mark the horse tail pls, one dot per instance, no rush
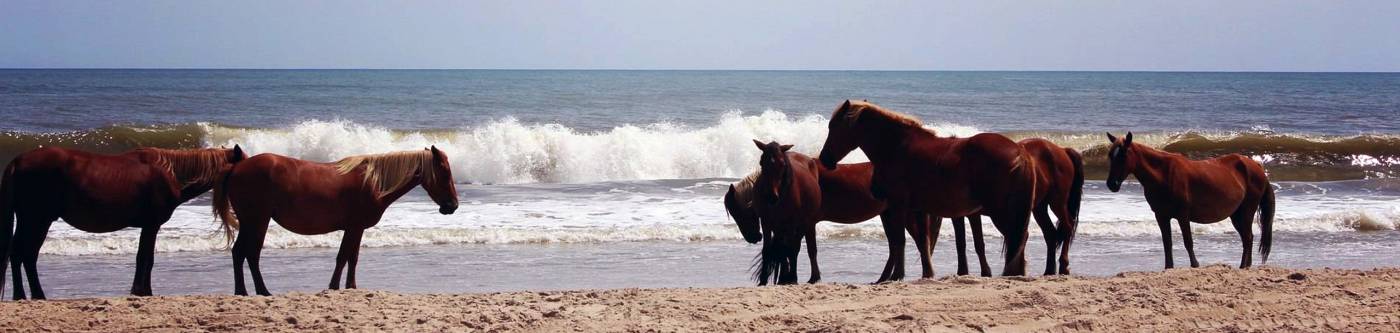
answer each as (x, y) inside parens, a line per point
(7, 220)
(222, 210)
(1266, 222)
(1076, 191)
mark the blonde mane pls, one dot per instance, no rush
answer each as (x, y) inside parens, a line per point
(743, 190)
(191, 166)
(389, 171)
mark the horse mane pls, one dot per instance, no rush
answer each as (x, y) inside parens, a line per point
(743, 190)
(389, 171)
(853, 110)
(191, 166)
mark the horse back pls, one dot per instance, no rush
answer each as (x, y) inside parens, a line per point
(93, 192)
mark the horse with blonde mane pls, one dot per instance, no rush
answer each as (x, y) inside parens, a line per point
(1208, 191)
(99, 193)
(311, 198)
(916, 170)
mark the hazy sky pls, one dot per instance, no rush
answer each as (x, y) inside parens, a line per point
(1247, 35)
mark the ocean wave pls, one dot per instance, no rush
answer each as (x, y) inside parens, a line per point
(690, 217)
(507, 151)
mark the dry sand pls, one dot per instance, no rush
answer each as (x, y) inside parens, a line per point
(1214, 299)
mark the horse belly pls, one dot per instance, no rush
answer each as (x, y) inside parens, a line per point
(311, 216)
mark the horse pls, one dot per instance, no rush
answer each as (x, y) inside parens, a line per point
(788, 194)
(1059, 190)
(311, 198)
(99, 193)
(846, 199)
(915, 170)
(1207, 191)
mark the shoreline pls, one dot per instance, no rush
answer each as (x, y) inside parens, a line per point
(1216, 298)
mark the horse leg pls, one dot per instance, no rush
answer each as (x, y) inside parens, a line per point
(812, 253)
(1164, 223)
(931, 235)
(37, 234)
(1052, 238)
(1066, 226)
(978, 245)
(354, 257)
(256, 235)
(919, 230)
(894, 221)
(248, 247)
(1185, 225)
(960, 239)
(1013, 220)
(1243, 219)
(17, 257)
(145, 257)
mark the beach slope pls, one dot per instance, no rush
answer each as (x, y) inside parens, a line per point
(1215, 298)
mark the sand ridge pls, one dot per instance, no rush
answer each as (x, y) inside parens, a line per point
(1214, 298)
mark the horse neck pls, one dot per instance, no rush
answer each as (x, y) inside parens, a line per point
(195, 172)
(1151, 166)
(882, 143)
(391, 195)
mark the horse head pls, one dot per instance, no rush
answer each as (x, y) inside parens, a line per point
(842, 133)
(1121, 160)
(439, 184)
(775, 171)
(743, 214)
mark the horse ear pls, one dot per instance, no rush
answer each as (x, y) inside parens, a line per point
(437, 154)
(1111, 138)
(238, 153)
(1128, 139)
(759, 144)
(786, 147)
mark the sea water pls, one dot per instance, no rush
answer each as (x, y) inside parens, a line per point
(594, 179)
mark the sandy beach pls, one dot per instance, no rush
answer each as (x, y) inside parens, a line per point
(1214, 298)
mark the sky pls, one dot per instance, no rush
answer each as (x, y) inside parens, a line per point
(1179, 35)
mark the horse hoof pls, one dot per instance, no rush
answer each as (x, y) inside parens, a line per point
(814, 281)
(141, 293)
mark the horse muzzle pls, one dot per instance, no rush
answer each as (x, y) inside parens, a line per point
(447, 210)
(1114, 186)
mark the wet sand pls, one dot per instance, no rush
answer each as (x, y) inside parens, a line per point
(1214, 298)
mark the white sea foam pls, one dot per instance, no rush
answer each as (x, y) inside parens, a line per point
(510, 152)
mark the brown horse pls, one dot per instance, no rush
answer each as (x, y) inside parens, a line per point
(1059, 190)
(788, 199)
(99, 193)
(915, 170)
(1230, 186)
(312, 198)
(846, 199)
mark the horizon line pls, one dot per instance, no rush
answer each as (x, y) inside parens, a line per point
(711, 69)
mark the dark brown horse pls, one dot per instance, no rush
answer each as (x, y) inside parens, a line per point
(312, 198)
(788, 200)
(916, 170)
(1059, 190)
(99, 193)
(1209, 191)
(846, 199)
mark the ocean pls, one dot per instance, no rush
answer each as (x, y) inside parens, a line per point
(603, 179)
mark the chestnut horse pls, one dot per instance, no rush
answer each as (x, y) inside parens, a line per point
(915, 170)
(1230, 186)
(846, 199)
(312, 198)
(99, 193)
(1059, 190)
